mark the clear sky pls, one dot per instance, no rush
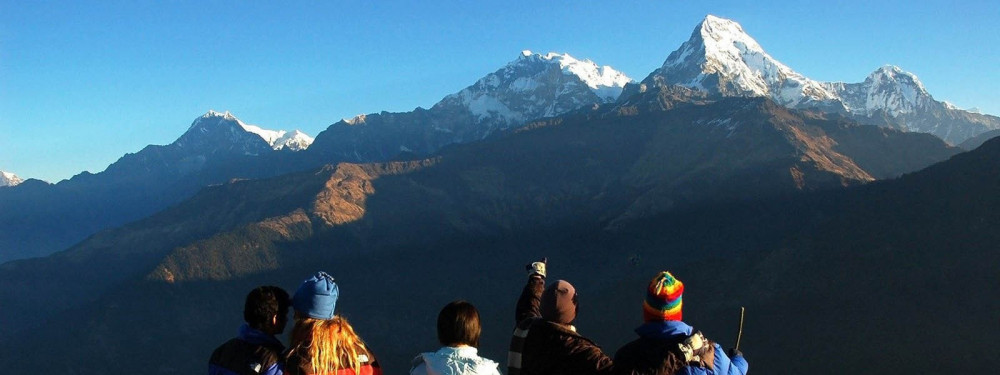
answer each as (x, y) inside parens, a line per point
(84, 82)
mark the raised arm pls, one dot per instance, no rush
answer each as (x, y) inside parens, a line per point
(531, 295)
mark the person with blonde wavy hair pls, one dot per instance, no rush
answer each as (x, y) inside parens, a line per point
(323, 343)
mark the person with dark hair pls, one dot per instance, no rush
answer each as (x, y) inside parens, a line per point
(458, 330)
(668, 346)
(323, 343)
(545, 341)
(255, 350)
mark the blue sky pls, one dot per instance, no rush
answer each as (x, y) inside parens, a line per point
(82, 83)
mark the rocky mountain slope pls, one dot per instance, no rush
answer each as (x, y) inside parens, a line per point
(974, 142)
(566, 187)
(219, 147)
(42, 218)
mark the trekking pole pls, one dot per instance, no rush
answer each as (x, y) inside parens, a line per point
(739, 335)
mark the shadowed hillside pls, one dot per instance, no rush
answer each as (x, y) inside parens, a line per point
(746, 213)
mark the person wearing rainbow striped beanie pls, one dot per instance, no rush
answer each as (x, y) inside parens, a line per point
(666, 345)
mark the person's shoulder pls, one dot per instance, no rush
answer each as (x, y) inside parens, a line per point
(484, 366)
(485, 363)
(233, 344)
(418, 366)
(630, 347)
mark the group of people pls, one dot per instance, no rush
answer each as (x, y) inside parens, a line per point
(544, 341)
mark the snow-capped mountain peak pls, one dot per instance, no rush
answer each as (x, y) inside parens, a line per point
(895, 90)
(534, 86)
(721, 58)
(894, 74)
(280, 139)
(725, 39)
(213, 115)
(277, 139)
(9, 179)
(293, 140)
(605, 81)
(888, 89)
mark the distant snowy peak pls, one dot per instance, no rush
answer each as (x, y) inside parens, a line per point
(534, 86)
(277, 139)
(721, 58)
(604, 81)
(294, 140)
(9, 179)
(280, 139)
(213, 117)
(218, 132)
(889, 89)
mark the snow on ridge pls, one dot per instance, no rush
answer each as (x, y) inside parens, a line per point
(721, 47)
(280, 139)
(356, 120)
(277, 139)
(9, 179)
(270, 136)
(521, 89)
(604, 81)
(894, 73)
(485, 106)
(293, 140)
(889, 88)
(593, 75)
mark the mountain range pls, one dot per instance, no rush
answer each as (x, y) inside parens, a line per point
(40, 218)
(762, 198)
(532, 86)
(720, 58)
(757, 186)
(218, 147)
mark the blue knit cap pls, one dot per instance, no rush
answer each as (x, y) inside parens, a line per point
(317, 296)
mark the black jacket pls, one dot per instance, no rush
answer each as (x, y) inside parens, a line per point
(540, 347)
(252, 352)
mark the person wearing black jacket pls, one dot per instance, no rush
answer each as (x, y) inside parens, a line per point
(255, 350)
(545, 341)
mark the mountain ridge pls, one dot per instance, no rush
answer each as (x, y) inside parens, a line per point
(503, 200)
(531, 86)
(720, 58)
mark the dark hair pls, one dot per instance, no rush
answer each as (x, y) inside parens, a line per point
(458, 324)
(263, 303)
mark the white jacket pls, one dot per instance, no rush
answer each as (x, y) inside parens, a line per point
(453, 361)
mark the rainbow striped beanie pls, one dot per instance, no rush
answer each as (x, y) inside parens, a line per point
(663, 298)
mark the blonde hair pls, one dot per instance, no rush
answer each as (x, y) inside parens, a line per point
(328, 345)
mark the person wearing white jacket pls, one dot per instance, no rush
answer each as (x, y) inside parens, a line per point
(458, 330)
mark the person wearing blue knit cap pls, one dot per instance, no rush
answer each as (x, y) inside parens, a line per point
(323, 343)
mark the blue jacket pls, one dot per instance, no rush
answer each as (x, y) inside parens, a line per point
(656, 352)
(251, 352)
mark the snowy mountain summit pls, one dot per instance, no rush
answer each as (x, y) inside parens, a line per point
(888, 89)
(604, 81)
(216, 132)
(530, 87)
(277, 139)
(535, 86)
(9, 179)
(721, 59)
